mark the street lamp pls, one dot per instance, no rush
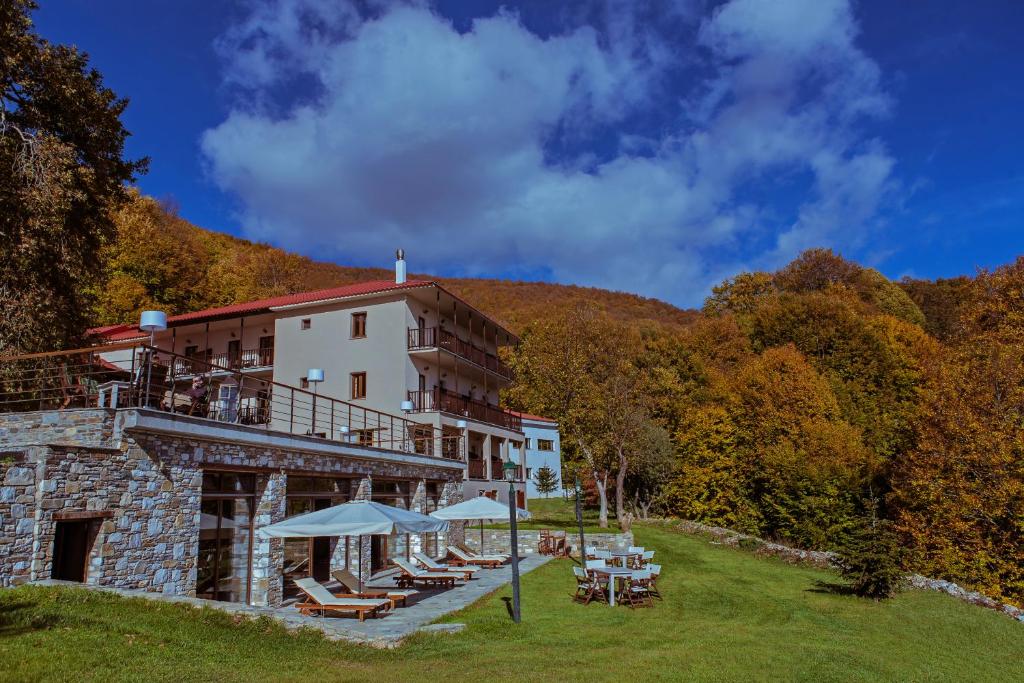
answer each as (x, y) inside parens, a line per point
(579, 522)
(510, 468)
(314, 376)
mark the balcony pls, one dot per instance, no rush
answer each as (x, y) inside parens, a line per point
(245, 359)
(422, 338)
(447, 402)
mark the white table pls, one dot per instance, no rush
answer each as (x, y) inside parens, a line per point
(611, 573)
(109, 393)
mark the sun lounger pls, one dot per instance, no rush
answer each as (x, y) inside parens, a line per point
(320, 600)
(432, 565)
(351, 584)
(460, 557)
(411, 575)
(490, 556)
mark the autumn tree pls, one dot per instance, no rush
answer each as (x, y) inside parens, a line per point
(62, 151)
(577, 368)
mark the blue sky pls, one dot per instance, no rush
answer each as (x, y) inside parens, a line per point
(653, 147)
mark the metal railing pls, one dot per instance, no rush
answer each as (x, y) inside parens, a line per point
(420, 338)
(134, 375)
(447, 402)
(244, 359)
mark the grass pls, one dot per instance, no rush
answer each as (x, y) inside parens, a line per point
(559, 513)
(727, 616)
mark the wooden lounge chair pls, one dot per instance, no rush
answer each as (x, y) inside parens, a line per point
(351, 584)
(459, 557)
(432, 565)
(411, 575)
(319, 600)
(472, 553)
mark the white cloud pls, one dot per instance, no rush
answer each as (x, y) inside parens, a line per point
(454, 144)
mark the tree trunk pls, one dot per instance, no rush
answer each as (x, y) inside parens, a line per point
(620, 485)
(601, 481)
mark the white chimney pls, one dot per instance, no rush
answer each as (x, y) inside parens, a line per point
(400, 266)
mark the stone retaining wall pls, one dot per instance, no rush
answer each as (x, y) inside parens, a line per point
(823, 560)
(500, 540)
(141, 493)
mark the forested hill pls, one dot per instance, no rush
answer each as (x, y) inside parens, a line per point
(161, 260)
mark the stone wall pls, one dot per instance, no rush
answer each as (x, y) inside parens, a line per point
(500, 540)
(820, 559)
(143, 490)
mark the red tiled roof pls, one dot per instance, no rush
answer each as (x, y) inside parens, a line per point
(122, 332)
(535, 418)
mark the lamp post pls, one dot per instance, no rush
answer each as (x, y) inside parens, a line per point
(579, 522)
(314, 376)
(510, 474)
(152, 322)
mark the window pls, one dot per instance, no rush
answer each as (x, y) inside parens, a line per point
(529, 442)
(529, 471)
(358, 325)
(304, 383)
(305, 324)
(545, 445)
(358, 385)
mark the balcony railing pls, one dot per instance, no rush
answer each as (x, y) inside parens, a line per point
(160, 380)
(447, 402)
(431, 337)
(244, 360)
(477, 470)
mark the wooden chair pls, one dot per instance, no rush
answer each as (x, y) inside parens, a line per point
(544, 543)
(587, 587)
(652, 587)
(635, 590)
(74, 391)
(320, 600)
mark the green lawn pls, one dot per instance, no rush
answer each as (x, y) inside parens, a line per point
(727, 616)
(558, 513)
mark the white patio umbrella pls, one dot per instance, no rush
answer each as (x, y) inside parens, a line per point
(480, 508)
(356, 518)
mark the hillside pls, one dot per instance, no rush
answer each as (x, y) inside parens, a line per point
(161, 260)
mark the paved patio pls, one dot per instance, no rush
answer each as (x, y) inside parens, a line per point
(387, 631)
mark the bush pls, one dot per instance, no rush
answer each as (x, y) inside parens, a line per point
(871, 560)
(751, 544)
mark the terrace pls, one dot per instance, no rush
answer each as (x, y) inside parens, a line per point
(140, 376)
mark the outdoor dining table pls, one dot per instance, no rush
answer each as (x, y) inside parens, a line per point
(611, 573)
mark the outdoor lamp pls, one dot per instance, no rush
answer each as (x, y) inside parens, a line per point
(345, 429)
(510, 468)
(461, 424)
(314, 376)
(153, 322)
(407, 406)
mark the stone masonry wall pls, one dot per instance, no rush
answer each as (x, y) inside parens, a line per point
(144, 490)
